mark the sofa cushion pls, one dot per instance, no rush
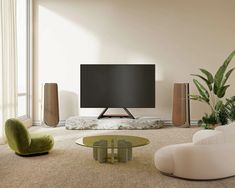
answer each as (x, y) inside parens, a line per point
(221, 134)
(164, 159)
(23, 143)
(40, 143)
(228, 132)
(17, 135)
(208, 137)
(226, 128)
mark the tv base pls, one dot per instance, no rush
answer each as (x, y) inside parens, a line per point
(116, 115)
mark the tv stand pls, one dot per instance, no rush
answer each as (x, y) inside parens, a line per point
(119, 116)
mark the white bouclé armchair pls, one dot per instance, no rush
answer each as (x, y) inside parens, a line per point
(211, 155)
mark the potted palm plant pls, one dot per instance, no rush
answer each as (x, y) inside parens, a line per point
(208, 121)
(211, 90)
(230, 108)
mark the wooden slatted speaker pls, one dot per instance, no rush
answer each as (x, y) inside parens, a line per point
(51, 104)
(181, 105)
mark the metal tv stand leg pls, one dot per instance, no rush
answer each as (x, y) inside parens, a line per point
(119, 116)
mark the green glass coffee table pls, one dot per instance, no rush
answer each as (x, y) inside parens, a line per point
(111, 148)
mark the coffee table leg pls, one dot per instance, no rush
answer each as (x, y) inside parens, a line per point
(123, 151)
(95, 153)
(102, 155)
(95, 150)
(129, 153)
(129, 146)
(112, 151)
(112, 155)
(100, 151)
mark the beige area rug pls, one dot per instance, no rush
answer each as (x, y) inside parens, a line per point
(71, 165)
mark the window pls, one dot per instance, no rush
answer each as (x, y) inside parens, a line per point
(23, 58)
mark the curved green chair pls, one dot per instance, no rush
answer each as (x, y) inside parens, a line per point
(26, 144)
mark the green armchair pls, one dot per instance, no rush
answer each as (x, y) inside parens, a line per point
(23, 143)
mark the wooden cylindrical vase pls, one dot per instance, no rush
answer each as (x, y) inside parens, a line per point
(51, 104)
(181, 105)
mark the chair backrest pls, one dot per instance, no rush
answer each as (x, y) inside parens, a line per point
(17, 135)
(228, 132)
(226, 128)
(221, 135)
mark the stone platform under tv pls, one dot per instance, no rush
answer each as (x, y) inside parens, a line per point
(92, 123)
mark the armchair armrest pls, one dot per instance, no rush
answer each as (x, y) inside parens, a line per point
(208, 161)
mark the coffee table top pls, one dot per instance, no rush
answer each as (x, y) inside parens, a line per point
(112, 140)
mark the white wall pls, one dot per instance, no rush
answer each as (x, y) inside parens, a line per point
(179, 36)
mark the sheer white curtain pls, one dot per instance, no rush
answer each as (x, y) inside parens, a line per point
(8, 87)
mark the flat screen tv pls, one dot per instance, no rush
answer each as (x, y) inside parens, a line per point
(117, 86)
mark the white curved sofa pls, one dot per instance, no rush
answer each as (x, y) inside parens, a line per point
(211, 155)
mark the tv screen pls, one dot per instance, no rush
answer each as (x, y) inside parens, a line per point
(117, 86)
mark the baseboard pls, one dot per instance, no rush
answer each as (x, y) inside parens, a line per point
(39, 123)
(169, 122)
(166, 122)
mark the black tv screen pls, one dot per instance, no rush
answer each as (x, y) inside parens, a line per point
(117, 86)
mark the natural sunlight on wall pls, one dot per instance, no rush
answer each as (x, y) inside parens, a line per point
(72, 44)
(177, 36)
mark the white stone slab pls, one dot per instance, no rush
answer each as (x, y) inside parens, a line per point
(86, 123)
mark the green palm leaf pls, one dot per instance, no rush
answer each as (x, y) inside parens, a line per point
(202, 90)
(220, 73)
(230, 108)
(230, 57)
(219, 105)
(205, 80)
(222, 91)
(227, 76)
(198, 98)
(218, 78)
(209, 75)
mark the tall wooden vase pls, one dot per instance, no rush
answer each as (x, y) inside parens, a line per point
(51, 105)
(181, 105)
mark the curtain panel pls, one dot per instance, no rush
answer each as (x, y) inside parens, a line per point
(8, 66)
